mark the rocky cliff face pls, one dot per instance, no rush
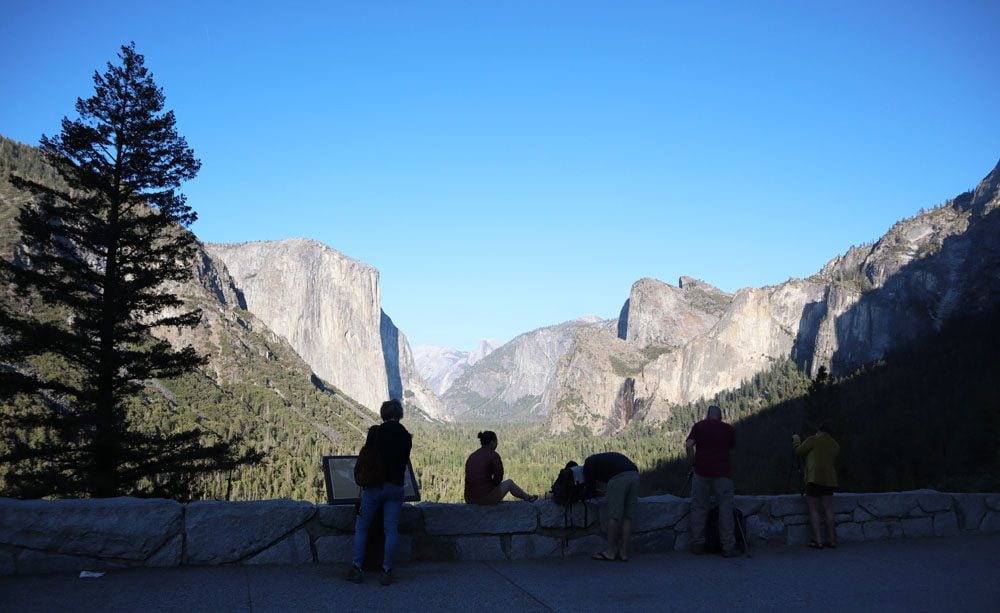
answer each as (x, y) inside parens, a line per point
(327, 306)
(509, 382)
(925, 270)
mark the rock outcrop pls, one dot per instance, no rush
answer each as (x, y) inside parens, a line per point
(327, 306)
(693, 341)
(510, 382)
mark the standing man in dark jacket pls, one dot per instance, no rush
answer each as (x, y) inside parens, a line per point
(708, 449)
(393, 442)
(619, 477)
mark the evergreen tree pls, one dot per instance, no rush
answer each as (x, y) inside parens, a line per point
(96, 262)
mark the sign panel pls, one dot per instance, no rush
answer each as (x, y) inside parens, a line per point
(340, 485)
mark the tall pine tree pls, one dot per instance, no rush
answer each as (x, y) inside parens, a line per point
(91, 275)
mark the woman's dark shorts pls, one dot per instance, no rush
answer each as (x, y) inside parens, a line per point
(815, 490)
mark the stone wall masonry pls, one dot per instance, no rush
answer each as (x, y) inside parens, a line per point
(45, 536)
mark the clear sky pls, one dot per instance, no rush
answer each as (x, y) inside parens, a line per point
(512, 165)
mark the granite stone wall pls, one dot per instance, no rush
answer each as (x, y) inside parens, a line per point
(46, 536)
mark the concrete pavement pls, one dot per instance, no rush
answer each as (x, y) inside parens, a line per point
(935, 574)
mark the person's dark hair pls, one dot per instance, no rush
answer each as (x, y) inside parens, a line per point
(571, 464)
(487, 437)
(826, 426)
(391, 409)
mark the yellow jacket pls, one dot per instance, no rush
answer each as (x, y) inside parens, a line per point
(820, 452)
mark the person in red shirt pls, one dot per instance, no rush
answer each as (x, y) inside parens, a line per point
(708, 449)
(484, 482)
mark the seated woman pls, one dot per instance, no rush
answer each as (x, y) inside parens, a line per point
(484, 482)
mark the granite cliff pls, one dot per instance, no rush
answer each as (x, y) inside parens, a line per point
(510, 382)
(327, 306)
(673, 349)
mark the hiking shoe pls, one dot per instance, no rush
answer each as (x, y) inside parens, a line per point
(698, 549)
(355, 575)
(730, 553)
(386, 578)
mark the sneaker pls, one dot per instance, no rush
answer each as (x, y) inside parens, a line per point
(697, 549)
(730, 553)
(355, 575)
(386, 578)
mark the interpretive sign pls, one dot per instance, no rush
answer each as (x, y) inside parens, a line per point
(340, 485)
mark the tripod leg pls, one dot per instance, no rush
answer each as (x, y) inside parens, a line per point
(746, 541)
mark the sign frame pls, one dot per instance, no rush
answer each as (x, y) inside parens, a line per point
(338, 473)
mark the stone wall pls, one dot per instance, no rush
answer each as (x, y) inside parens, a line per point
(42, 536)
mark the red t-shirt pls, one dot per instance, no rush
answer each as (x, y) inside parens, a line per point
(712, 439)
(483, 472)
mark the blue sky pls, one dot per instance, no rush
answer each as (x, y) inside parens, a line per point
(512, 165)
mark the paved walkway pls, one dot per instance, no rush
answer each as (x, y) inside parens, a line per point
(961, 574)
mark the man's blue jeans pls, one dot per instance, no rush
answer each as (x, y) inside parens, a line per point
(389, 498)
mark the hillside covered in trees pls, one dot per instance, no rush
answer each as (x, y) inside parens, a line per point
(926, 416)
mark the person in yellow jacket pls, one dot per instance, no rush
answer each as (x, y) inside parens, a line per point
(820, 454)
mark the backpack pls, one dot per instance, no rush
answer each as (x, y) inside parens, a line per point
(569, 486)
(369, 470)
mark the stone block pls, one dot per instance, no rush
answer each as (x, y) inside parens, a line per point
(435, 548)
(971, 509)
(30, 562)
(860, 515)
(586, 545)
(334, 549)
(896, 530)
(795, 520)
(990, 523)
(876, 530)
(850, 532)
(411, 519)
(7, 567)
(552, 515)
(750, 505)
(683, 525)
(798, 535)
(654, 542)
(221, 532)
(479, 548)
(404, 549)
(764, 529)
(504, 518)
(659, 512)
(533, 546)
(683, 541)
(917, 527)
(126, 528)
(889, 505)
(169, 556)
(292, 550)
(946, 524)
(934, 502)
(992, 501)
(845, 503)
(788, 505)
(340, 517)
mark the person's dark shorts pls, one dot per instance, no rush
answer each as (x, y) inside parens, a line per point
(815, 490)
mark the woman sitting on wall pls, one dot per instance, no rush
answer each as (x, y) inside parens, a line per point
(484, 482)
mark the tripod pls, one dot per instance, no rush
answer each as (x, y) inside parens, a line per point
(795, 467)
(687, 482)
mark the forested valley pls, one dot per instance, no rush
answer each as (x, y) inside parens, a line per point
(928, 415)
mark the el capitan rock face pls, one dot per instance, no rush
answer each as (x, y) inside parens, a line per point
(327, 306)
